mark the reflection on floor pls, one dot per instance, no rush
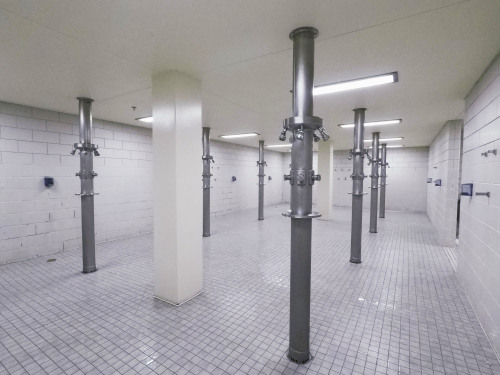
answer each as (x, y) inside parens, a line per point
(402, 311)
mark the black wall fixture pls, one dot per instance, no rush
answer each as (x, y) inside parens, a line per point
(467, 190)
(48, 181)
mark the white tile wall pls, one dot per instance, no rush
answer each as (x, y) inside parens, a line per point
(36, 220)
(479, 249)
(241, 161)
(444, 164)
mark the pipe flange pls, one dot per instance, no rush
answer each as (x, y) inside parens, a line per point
(308, 122)
(305, 29)
(86, 194)
(312, 215)
(357, 151)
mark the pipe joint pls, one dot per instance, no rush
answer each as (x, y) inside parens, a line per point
(358, 176)
(208, 158)
(86, 175)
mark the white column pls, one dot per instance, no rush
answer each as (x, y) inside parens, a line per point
(325, 169)
(178, 262)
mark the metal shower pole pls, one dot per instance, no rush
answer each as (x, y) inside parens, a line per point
(87, 150)
(383, 175)
(206, 180)
(301, 178)
(261, 163)
(374, 182)
(357, 176)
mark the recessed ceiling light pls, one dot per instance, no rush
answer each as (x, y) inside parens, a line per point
(145, 119)
(276, 146)
(239, 135)
(386, 139)
(374, 123)
(356, 83)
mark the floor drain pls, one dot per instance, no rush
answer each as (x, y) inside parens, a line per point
(51, 260)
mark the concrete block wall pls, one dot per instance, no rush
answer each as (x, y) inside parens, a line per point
(228, 196)
(36, 220)
(406, 179)
(444, 164)
(479, 249)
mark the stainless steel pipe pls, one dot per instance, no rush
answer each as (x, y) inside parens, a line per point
(301, 178)
(383, 176)
(374, 182)
(261, 163)
(357, 176)
(206, 180)
(87, 174)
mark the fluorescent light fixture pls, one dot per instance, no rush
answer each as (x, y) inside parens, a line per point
(386, 139)
(145, 119)
(356, 83)
(390, 146)
(374, 123)
(277, 146)
(243, 135)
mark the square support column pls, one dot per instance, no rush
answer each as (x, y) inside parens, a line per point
(325, 188)
(178, 261)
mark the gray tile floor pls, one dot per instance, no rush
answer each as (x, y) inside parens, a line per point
(402, 311)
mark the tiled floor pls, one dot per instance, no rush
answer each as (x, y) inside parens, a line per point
(401, 311)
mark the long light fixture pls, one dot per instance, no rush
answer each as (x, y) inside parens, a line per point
(243, 135)
(145, 119)
(390, 146)
(277, 146)
(356, 83)
(374, 123)
(386, 139)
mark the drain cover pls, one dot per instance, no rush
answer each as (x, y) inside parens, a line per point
(51, 260)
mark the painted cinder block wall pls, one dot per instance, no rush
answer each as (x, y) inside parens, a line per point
(228, 196)
(406, 188)
(36, 220)
(479, 244)
(444, 165)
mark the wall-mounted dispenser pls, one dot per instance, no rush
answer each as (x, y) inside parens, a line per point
(466, 190)
(437, 182)
(429, 180)
(48, 181)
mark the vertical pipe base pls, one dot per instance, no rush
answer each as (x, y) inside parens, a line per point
(206, 211)
(382, 203)
(261, 202)
(89, 269)
(298, 357)
(373, 210)
(356, 228)
(88, 234)
(300, 290)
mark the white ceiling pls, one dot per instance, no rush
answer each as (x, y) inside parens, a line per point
(52, 51)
